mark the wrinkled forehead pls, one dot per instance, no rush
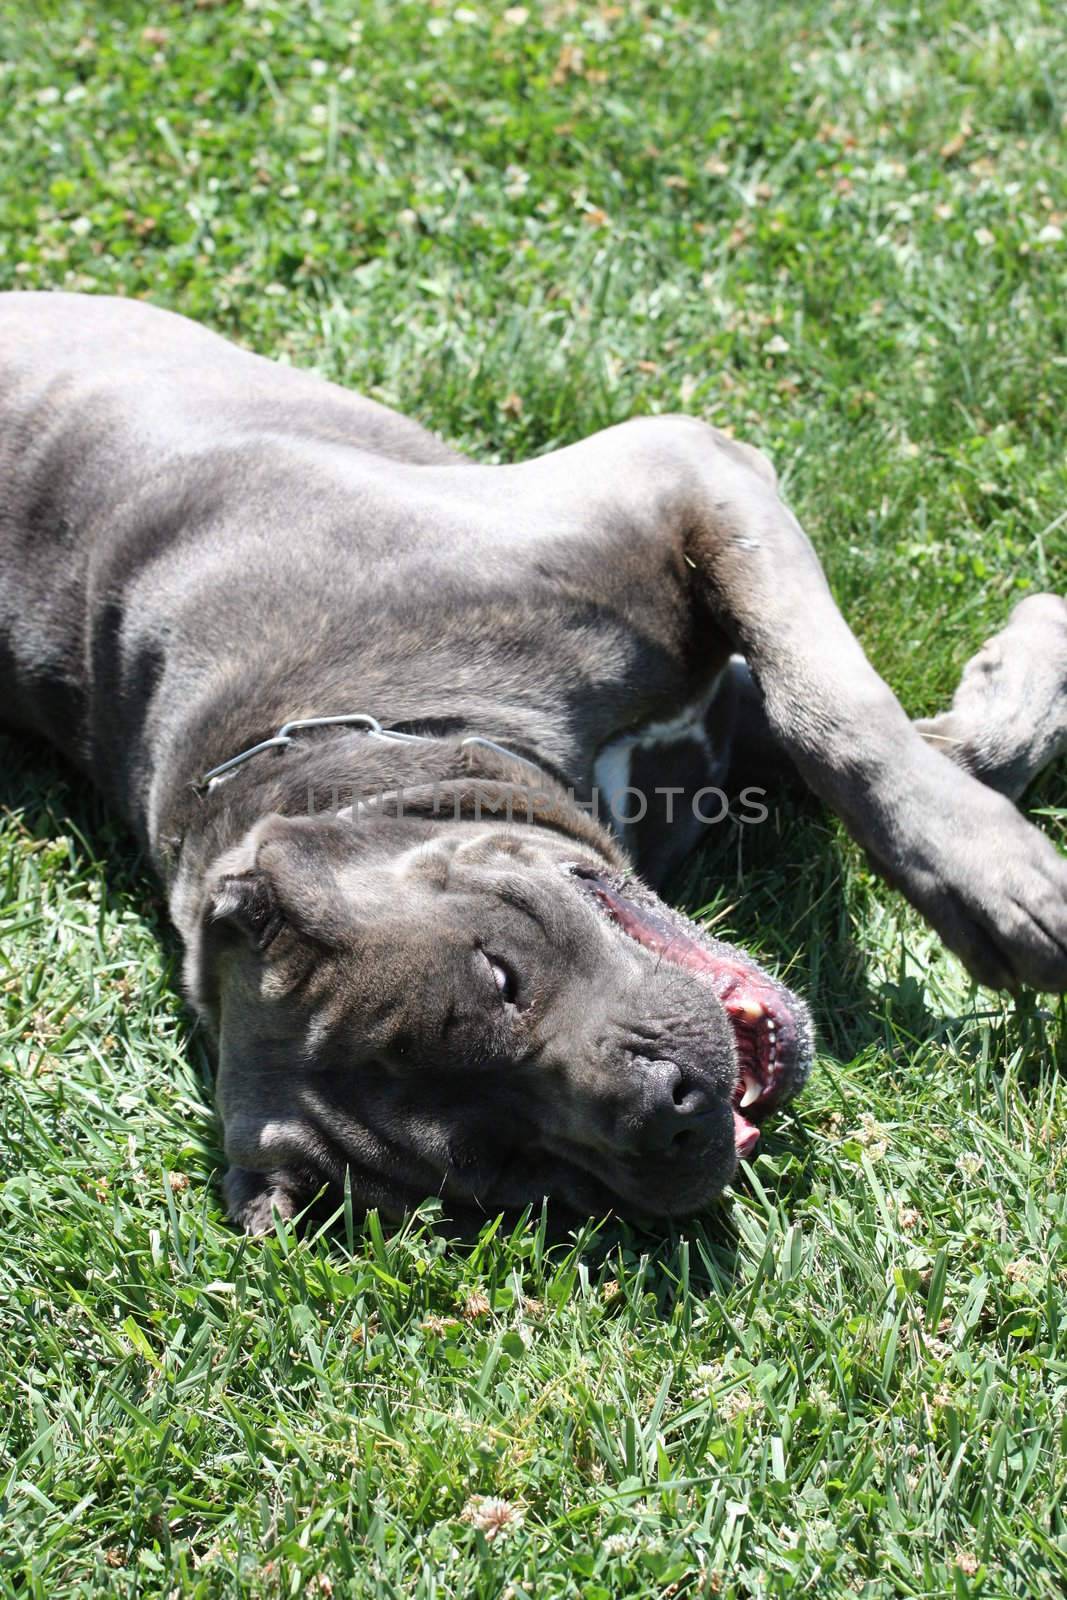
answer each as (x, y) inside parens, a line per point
(472, 854)
(507, 890)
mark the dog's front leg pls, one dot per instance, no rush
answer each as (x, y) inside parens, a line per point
(993, 887)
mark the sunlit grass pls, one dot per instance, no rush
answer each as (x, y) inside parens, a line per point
(838, 230)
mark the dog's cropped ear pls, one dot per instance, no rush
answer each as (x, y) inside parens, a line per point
(248, 903)
(240, 913)
(268, 906)
(280, 875)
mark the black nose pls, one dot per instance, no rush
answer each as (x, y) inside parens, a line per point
(669, 1110)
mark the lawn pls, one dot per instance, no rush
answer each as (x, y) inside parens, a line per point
(837, 229)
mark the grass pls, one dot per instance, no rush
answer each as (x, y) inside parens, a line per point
(837, 229)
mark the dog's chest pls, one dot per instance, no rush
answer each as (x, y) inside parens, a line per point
(635, 774)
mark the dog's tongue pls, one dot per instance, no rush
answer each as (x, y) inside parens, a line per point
(746, 1135)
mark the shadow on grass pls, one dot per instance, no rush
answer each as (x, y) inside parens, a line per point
(780, 891)
(52, 800)
(790, 890)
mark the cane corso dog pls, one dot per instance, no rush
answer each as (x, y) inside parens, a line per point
(410, 740)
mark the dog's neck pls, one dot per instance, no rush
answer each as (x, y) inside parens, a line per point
(426, 782)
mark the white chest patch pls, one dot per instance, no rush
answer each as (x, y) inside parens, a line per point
(613, 766)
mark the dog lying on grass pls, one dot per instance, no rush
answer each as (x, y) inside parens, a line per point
(358, 696)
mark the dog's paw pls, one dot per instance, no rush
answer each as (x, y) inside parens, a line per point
(254, 1199)
(1008, 718)
(991, 884)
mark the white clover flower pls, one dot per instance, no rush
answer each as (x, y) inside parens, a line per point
(491, 1515)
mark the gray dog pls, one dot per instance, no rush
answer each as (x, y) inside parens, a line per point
(426, 962)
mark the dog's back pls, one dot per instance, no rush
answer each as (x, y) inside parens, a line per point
(129, 435)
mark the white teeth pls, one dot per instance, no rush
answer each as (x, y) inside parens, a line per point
(751, 1010)
(753, 1089)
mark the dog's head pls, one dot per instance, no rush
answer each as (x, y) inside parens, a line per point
(481, 1011)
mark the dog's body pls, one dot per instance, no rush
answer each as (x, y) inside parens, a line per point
(198, 546)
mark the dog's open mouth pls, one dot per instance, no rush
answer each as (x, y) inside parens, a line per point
(771, 1031)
